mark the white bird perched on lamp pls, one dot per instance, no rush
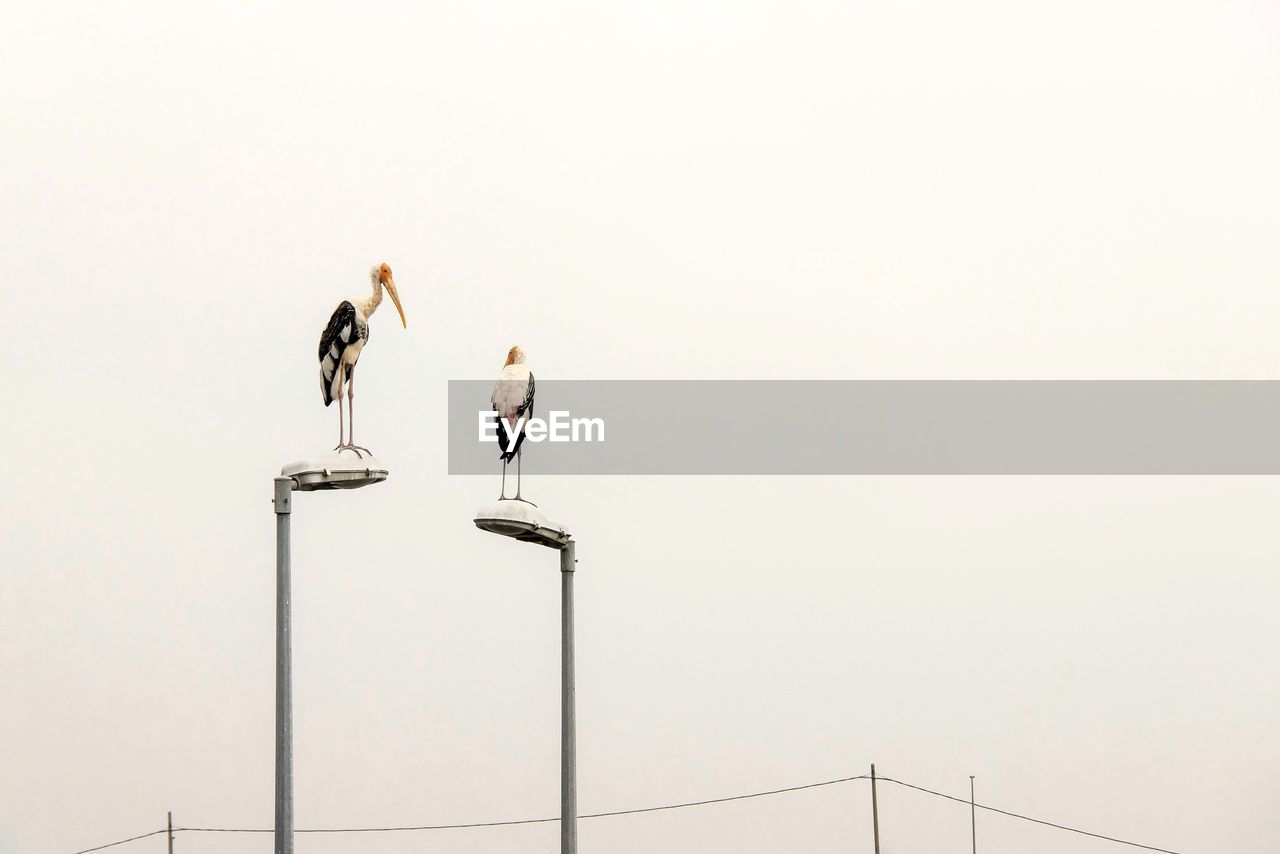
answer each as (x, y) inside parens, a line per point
(512, 399)
(341, 344)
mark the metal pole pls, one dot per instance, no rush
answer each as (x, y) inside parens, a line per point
(284, 671)
(568, 723)
(973, 816)
(170, 831)
(875, 809)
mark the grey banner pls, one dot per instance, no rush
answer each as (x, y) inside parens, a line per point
(889, 427)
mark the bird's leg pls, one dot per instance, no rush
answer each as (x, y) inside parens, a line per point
(519, 457)
(351, 408)
(351, 415)
(503, 496)
(339, 445)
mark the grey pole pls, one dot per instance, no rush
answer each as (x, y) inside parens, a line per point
(170, 831)
(973, 816)
(568, 722)
(875, 810)
(284, 671)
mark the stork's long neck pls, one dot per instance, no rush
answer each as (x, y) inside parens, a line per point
(369, 306)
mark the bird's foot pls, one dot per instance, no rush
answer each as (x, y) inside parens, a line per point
(359, 450)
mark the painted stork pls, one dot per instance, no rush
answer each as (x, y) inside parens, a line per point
(512, 399)
(341, 343)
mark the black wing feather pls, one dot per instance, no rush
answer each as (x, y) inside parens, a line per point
(332, 345)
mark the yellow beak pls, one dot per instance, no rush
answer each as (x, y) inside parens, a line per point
(395, 298)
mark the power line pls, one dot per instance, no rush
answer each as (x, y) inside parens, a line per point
(731, 798)
(526, 821)
(123, 841)
(509, 823)
(1029, 818)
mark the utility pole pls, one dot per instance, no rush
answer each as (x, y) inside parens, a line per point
(170, 831)
(284, 668)
(973, 816)
(875, 810)
(523, 521)
(329, 472)
(568, 703)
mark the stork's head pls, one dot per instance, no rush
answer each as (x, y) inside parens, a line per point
(515, 356)
(381, 275)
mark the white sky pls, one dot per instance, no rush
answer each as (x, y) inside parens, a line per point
(675, 190)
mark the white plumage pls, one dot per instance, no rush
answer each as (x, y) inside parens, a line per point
(510, 391)
(512, 400)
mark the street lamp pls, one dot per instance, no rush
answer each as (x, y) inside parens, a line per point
(523, 521)
(351, 470)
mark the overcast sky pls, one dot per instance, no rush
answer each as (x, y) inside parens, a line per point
(661, 190)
